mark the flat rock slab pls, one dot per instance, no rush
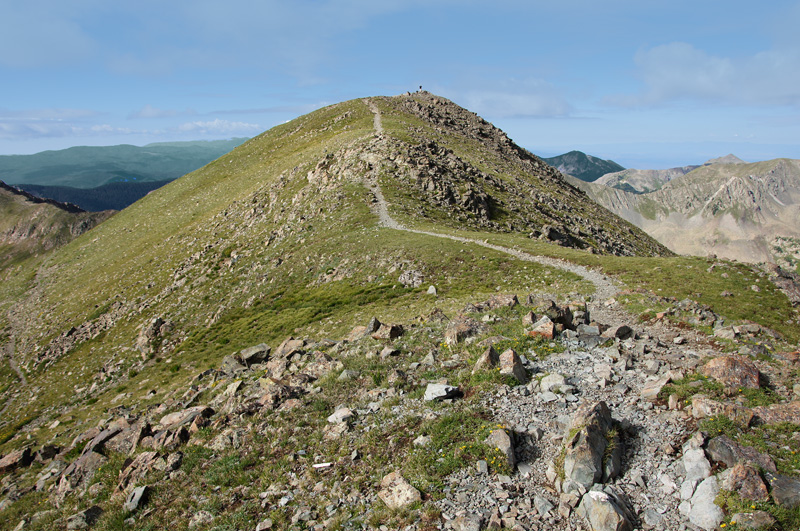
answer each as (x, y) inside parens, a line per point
(785, 490)
(777, 413)
(726, 450)
(440, 392)
(137, 498)
(704, 513)
(184, 416)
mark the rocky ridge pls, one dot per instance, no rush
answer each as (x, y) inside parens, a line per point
(577, 420)
(733, 210)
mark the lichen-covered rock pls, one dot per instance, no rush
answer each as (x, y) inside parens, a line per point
(396, 492)
(584, 450)
(511, 365)
(732, 371)
(746, 480)
(605, 512)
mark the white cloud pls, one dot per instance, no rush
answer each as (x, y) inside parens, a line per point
(534, 98)
(679, 71)
(148, 111)
(218, 127)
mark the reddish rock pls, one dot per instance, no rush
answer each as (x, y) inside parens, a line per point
(388, 332)
(723, 449)
(502, 301)
(703, 407)
(777, 413)
(289, 346)
(745, 480)
(544, 327)
(732, 371)
(16, 459)
(511, 364)
(462, 328)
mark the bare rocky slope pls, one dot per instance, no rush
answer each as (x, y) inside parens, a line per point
(30, 225)
(733, 210)
(386, 315)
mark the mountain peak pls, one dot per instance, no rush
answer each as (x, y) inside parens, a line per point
(730, 158)
(582, 166)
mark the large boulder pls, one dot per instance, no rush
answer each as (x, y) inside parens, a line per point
(725, 450)
(732, 372)
(462, 328)
(605, 511)
(396, 492)
(704, 513)
(511, 365)
(591, 432)
(704, 407)
(16, 459)
(777, 413)
(746, 480)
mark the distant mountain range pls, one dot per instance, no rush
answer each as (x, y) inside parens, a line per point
(108, 177)
(744, 211)
(582, 166)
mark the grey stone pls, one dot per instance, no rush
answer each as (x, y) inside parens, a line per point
(583, 460)
(84, 519)
(704, 512)
(440, 392)
(543, 505)
(137, 498)
(231, 366)
(604, 512)
(254, 355)
(696, 465)
(724, 449)
(502, 441)
(785, 490)
(552, 381)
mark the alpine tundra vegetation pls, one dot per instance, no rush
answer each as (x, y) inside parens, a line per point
(387, 315)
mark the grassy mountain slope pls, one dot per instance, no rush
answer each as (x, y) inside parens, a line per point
(279, 237)
(90, 167)
(582, 166)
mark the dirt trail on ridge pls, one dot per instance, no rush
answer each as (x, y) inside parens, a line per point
(605, 288)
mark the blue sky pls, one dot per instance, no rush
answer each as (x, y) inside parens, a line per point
(648, 83)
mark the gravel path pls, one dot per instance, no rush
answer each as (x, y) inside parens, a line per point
(604, 286)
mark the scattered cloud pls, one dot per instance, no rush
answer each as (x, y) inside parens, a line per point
(218, 126)
(680, 71)
(531, 98)
(149, 112)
